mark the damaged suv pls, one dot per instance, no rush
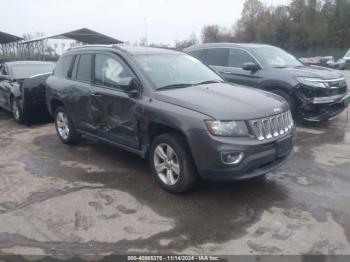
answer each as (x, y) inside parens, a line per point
(169, 107)
(314, 93)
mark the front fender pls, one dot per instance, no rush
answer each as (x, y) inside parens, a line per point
(270, 85)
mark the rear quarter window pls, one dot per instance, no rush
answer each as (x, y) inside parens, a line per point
(63, 66)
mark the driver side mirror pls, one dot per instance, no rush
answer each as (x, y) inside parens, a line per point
(4, 77)
(251, 66)
(130, 85)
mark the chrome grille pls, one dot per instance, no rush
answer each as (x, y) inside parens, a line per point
(274, 126)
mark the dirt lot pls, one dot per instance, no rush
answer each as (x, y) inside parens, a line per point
(95, 199)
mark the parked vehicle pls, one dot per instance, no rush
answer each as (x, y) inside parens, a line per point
(314, 93)
(342, 63)
(171, 108)
(317, 60)
(22, 89)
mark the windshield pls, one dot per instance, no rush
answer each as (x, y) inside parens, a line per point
(28, 70)
(347, 54)
(175, 70)
(277, 58)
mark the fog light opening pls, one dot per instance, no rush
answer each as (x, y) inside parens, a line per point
(232, 158)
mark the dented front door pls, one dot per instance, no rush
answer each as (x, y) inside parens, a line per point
(116, 116)
(114, 112)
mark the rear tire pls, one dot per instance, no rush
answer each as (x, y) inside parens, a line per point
(171, 163)
(17, 111)
(65, 128)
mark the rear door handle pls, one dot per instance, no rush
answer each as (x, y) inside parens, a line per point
(96, 95)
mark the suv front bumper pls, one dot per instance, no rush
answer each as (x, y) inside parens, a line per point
(260, 157)
(321, 108)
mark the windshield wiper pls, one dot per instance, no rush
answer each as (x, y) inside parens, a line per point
(208, 82)
(173, 86)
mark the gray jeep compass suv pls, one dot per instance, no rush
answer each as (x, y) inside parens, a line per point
(314, 93)
(171, 108)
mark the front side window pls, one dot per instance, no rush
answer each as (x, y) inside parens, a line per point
(216, 57)
(238, 57)
(84, 68)
(166, 70)
(109, 70)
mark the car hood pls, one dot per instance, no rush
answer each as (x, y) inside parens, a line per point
(225, 101)
(313, 72)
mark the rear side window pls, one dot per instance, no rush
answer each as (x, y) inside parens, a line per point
(238, 57)
(84, 68)
(197, 54)
(63, 66)
(217, 56)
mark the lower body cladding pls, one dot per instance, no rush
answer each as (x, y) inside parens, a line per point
(320, 107)
(228, 158)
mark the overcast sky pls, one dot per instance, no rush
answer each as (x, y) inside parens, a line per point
(127, 20)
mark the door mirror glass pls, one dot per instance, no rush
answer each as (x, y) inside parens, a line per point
(129, 85)
(4, 77)
(251, 66)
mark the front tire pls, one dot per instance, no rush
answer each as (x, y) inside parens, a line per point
(64, 127)
(17, 111)
(287, 97)
(171, 163)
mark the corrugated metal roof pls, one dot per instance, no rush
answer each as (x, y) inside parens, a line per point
(83, 35)
(6, 38)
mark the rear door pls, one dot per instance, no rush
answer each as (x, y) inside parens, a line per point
(116, 113)
(77, 93)
(217, 58)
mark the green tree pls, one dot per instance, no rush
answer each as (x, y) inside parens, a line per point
(252, 12)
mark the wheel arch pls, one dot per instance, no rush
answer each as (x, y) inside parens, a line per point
(54, 104)
(156, 128)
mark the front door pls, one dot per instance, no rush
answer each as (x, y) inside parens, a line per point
(234, 71)
(116, 113)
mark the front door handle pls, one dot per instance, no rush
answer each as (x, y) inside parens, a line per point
(96, 95)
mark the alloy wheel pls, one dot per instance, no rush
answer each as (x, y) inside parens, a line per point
(166, 163)
(15, 110)
(62, 125)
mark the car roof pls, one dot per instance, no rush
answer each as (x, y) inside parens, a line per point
(140, 50)
(227, 45)
(132, 50)
(14, 63)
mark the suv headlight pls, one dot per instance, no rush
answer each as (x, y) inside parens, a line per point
(227, 128)
(313, 82)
